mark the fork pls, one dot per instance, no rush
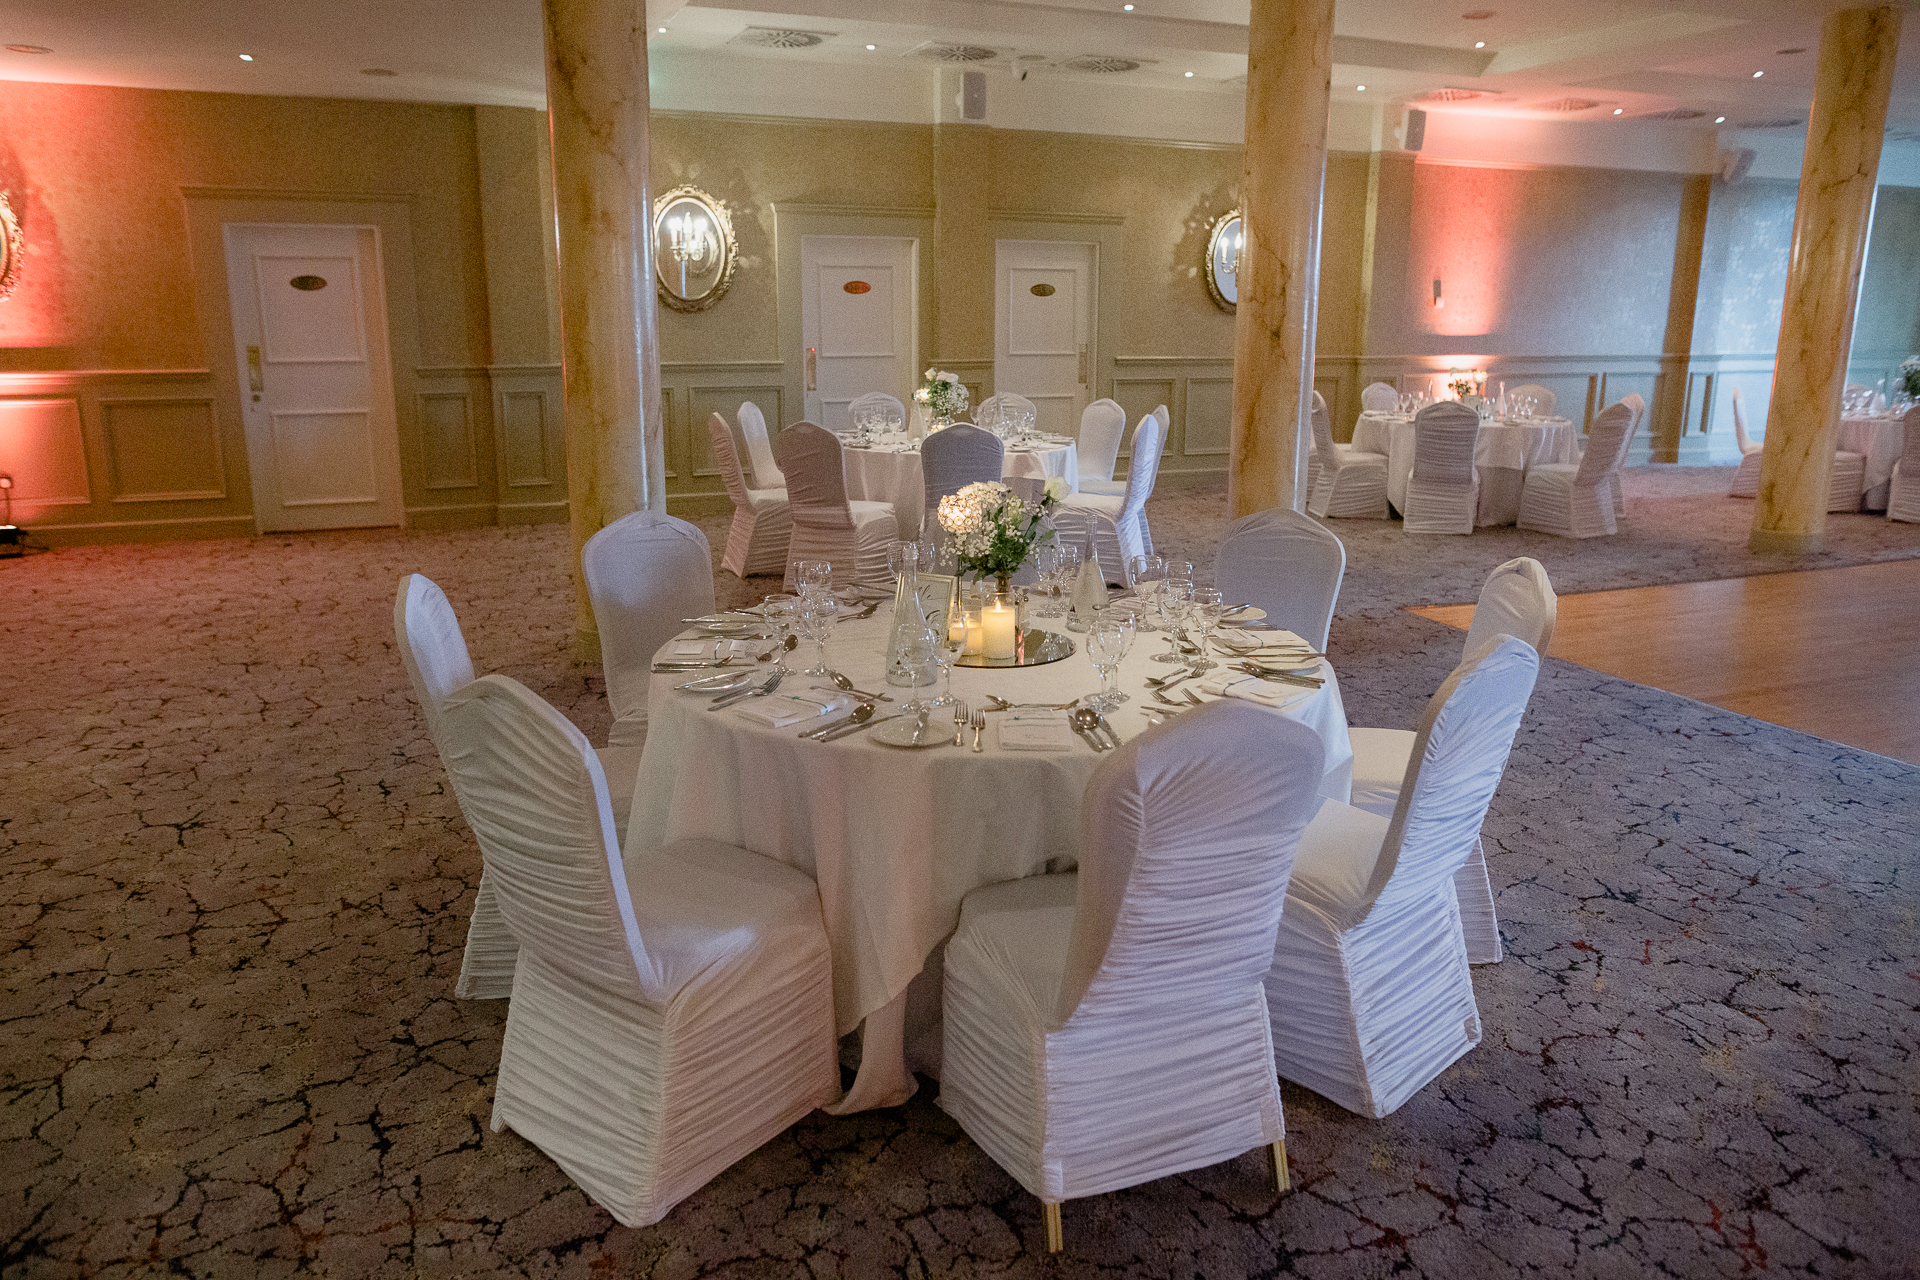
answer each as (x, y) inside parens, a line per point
(979, 723)
(960, 720)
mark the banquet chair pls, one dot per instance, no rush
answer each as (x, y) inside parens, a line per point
(826, 526)
(1903, 496)
(1542, 398)
(1116, 525)
(762, 526)
(952, 459)
(1165, 419)
(1102, 425)
(1370, 993)
(753, 429)
(1009, 403)
(1575, 500)
(882, 406)
(1343, 481)
(1105, 1028)
(1444, 488)
(1287, 564)
(1379, 397)
(1639, 407)
(1518, 601)
(1846, 481)
(671, 1011)
(1746, 477)
(644, 573)
(434, 652)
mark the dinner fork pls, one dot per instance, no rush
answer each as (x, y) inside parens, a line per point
(979, 723)
(960, 720)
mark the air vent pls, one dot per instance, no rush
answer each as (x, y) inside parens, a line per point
(1781, 122)
(937, 52)
(1678, 113)
(1452, 94)
(781, 38)
(1568, 105)
(1100, 64)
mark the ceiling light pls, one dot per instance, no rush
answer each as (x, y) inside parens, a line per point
(1758, 74)
(1189, 75)
(661, 30)
(1719, 119)
(869, 48)
(1127, 7)
(28, 48)
(246, 57)
(1619, 111)
(1479, 44)
(1359, 88)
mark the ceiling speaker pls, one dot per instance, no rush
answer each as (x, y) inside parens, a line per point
(973, 95)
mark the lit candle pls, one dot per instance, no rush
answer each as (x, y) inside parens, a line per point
(998, 624)
(956, 626)
(976, 636)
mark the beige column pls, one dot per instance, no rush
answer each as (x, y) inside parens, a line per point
(963, 255)
(1844, 135)
(610, 345)
(1668, 417)
(1289, 74)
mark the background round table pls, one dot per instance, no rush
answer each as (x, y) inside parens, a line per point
(890, 472)
(1502, 454)
(1880, 437)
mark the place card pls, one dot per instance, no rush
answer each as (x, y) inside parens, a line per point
(1035, 730)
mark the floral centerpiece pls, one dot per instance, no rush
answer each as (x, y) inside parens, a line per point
(1910, 376)
(991, 530)
(1471, 382)
(943, 394)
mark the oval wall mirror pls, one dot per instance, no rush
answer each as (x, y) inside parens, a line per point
(1224, 243)
(12, 243)
(693, 248)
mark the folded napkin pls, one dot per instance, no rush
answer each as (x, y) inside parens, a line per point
(702, 648)
(783, 709)
(1035, 730)
(1241, 641)
(1254, 689)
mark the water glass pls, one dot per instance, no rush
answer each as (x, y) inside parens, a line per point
(953, 642)
(816, 616)
(1176, 598)
(814, 578)
(1208, 606)
(1109, 637)
(1144, 574)
(919, 662)
(778, 611)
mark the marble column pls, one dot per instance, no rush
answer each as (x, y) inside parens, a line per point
(1289, 74)
(1830, 223)
(610, 347)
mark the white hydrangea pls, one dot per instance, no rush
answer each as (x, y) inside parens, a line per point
(975, 515)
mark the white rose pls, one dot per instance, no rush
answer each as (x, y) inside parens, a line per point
(1057, 489)
(949, 378)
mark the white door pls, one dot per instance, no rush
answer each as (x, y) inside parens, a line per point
(1043, 327)
(857, 309)
(316, 384)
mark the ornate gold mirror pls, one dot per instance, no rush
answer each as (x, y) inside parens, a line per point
(1224, 241)
(693, 248)
(12, 246)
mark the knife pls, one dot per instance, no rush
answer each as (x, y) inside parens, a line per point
(728, 699)
(919, 727)
(856, 728)
(1108, 730)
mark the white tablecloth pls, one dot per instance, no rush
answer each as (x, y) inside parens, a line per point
(891, 473)
(1881, 438)
(894, 837)
(1502, 454)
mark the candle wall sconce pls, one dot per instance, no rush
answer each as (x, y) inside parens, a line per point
(694, 251)
(1225, 239)
(13, 246)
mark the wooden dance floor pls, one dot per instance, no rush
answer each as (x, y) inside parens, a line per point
(1832, 652)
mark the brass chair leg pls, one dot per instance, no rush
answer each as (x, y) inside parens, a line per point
(1280, 1180)
(1051, 1211)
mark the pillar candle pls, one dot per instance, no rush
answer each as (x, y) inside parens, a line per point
(997, 623)
(976, 636)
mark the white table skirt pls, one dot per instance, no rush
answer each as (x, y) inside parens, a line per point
(1881, 439)
(1502, 454)
(891, 473)
(896, 838)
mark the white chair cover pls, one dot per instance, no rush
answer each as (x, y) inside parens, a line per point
(1165, 420)
(1639, 407)
(1286, 563)
(1576, 501)
(883, 405)
(1379, 397)
(1444, 487)
(644, 572)
(852, 535)
(952, 459)
(1117, 524)
(1343, 482)
(753, 429)
(1746, 477)
(670, 1012)
(1102, 426)
(1847, 481)
(1903, 495)
(1006, 402)
(434, 652)
(1518, 601)
(757, 539)
(1370, 993)
(1106, 1028)
(1542, 398)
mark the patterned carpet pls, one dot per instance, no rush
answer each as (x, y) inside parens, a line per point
(235, 891)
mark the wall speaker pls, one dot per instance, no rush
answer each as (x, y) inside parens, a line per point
(1413, 129)
(973, 95)
(1734, 164)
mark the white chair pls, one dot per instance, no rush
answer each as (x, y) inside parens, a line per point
(1287, 564)
(1379, 397)
(762, 526)
(1117, 525)
(1370, 993)
(1847, 481)
(1518, 601)
(1102, 426)
(1542, 398)
(434, 652)
(1444, 487)
(1575, 500)
(1746, 476)
(891, 414)
(826, 526)
(671, 1011)
(1165, 419)
(1903, 496)
(753, 429)
(1106, 1028)
(1008, 403)
(952, 459)
(1343, 482)
(644, 573)
(1639, 406)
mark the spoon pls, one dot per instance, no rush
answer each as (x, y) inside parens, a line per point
(859, 715)
(789, 644)
(1001, 704)
(1087, 725)
(840, 681)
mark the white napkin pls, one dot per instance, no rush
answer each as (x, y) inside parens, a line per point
(783, 709)
(1035, 730)
(701, 648)
(1254, 689)
(1242, 641)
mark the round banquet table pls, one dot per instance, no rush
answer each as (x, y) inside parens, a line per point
(1880, 437)
(889, 471)
(895, 838)
(1502, 453)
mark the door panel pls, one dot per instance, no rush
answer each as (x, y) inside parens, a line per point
(1043, 330)
(324, 459)
(857, 321)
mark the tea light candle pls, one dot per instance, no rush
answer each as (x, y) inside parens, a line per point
(976, 635)
(998, 624)
(957, 625)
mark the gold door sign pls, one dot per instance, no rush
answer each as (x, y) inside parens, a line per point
(1041, 291)
(856, 286)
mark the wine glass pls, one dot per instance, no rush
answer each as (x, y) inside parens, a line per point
(813, 577)
(817, 614)
(920, 653)
(1176, 597)
(778, 611)
(1109, 637)
(1208, 605)
(953, 642)
(1144, 573)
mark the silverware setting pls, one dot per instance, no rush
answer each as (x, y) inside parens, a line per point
(840, 681)
(838, 734)
(725, 683)
(1277, 676)
(1001, 704)
(979, 723)
(858, 716)
(727, 700)
(1087, 724)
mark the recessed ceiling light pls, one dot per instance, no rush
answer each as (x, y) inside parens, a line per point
(1189, 75)
(28, 48)
(1758, 74)
(1479, 44)
(246, 57)
(1719, 119)
(377, 71)
(1127, 7)
(1619, 111)
(1359, 88)
(661, 30)
(870, 48)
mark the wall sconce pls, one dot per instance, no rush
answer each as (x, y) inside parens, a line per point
(1439, 303)
(13, 247)
(1225, 239)
(694, 252)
